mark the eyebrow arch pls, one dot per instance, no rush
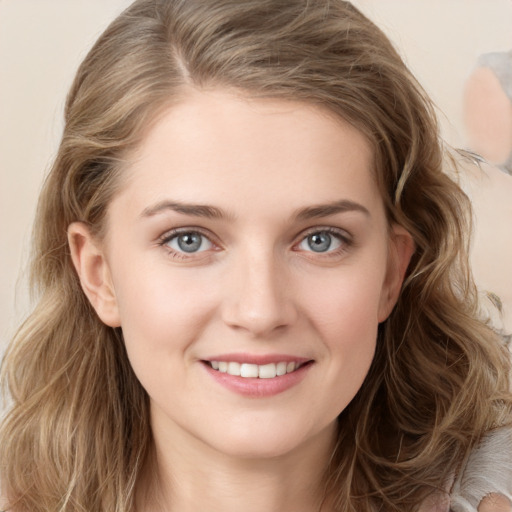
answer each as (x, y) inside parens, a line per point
(324, 210)
(196, 210)
(212, 212)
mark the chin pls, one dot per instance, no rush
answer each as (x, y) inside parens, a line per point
(269, 440)
(257, 448)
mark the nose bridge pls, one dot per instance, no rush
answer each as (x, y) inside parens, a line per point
(259, 300)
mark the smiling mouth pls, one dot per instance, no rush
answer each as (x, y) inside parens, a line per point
(256, 371)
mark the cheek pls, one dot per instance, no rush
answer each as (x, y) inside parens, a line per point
(345, 315)
(161, 316)
(348, 325)
(345, 301)
(161, 320)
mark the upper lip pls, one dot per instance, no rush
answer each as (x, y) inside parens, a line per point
(259, 359)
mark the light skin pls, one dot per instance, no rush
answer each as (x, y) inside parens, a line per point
(252, 228)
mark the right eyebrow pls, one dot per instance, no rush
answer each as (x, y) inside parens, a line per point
(195, 210)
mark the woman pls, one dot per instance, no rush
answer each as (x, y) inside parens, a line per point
(253, 280)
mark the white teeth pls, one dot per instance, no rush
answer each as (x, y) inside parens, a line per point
(233, 368)
(249, 370)
(281, 368)
(267, 371)
(264, 371)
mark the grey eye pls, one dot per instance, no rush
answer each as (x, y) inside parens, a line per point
(189, 242)
(321, 241)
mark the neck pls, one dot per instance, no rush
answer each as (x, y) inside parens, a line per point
(192, 477)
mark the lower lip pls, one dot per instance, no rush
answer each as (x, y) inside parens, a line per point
(255, 387)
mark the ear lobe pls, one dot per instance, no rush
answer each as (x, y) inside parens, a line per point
(93, 272)
(401, 249)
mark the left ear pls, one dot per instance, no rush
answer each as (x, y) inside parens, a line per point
(401, 249)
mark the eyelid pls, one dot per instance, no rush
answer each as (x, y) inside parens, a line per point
(344, 236)
(339, 232)
(171, 233)
(168, 235)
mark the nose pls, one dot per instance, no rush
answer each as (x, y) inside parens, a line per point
(259, 299)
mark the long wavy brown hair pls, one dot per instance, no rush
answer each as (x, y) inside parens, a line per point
(77, 432)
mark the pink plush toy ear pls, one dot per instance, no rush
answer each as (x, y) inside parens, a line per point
(495, 503)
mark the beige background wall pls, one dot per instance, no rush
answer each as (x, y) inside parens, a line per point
(42, 42)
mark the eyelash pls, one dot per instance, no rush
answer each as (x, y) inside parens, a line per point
(346, 241)
(170, 235)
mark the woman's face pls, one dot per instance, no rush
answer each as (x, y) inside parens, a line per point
(249, 262)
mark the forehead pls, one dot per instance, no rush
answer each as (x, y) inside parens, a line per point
(222, 147)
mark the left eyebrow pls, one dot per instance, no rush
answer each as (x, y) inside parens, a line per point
(324, 210)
